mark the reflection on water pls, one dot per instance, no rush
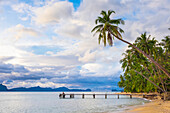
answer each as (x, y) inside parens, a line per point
(49, 102)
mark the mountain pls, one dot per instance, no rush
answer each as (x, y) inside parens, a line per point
(38, 88)
(30, 89)
(117, 90)
(3, 88)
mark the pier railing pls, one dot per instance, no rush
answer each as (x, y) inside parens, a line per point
(62, 96)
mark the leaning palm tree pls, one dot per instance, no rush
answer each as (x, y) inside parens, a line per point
(108, 29)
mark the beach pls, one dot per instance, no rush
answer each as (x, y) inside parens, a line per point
(156, 106)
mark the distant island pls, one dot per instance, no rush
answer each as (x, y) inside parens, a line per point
(117, 90)
(3, 88)
(40, 89)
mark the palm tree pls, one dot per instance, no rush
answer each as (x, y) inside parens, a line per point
(166, 44)
(108, 28)
(131, 63)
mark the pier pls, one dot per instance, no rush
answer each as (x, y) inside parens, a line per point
(62, 96)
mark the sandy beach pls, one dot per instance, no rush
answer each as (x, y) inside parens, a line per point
(155, 106)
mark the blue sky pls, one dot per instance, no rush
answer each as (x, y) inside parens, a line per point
(49, 43)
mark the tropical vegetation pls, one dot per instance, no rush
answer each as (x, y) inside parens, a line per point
(141, 75)
(108, 28)
(147, 57)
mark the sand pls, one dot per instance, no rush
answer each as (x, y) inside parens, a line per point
(155, 106)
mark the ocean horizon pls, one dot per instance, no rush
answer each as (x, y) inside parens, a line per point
(49, 102)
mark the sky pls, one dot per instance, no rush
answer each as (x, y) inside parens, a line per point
(49, 43)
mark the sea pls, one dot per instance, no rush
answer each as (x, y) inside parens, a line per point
(49, 102)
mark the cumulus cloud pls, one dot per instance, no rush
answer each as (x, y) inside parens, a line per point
(16, 34)
(22, 8)
(73, 31)
(19, 31)
(49, 60)
(53, 12)
(3, 59)
(88, 57)
(32, 83)
(100, 69)
(7, 50)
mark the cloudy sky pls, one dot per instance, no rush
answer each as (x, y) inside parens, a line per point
(49, 43)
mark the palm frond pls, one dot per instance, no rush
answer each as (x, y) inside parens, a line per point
(103, 13)
(117, 21)
(115, 31)
(96, 21)
(104, 38)
(110, 12)
(101, 20)
(97, 27)
(109, 39)
(107, 27)
(121, 30)
(97, 31)
(100, 37)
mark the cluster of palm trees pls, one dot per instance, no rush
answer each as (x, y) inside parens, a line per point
(141, 75)
(146, 58)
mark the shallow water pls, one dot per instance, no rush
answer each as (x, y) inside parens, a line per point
(49, 102)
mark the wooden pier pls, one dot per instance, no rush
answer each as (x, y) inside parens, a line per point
(63, 95)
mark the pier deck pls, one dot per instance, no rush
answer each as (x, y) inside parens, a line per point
(72, 95)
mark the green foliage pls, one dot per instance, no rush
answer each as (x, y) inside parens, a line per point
(106, 26)
(139, 60)
(141, 75)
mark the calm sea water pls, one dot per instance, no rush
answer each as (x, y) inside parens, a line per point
(49, 102)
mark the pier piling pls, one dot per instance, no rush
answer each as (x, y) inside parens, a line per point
(93, 95)
(105, 96)
(64, 95)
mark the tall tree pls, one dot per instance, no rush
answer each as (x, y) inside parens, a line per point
(108, 29)
(135, 66)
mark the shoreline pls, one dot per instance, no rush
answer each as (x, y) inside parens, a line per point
(155, 105)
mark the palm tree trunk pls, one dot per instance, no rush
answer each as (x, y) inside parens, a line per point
(159, 77)
(164, 91)
(148, 71)
(163, 85)
(151, 59)
(149, 80)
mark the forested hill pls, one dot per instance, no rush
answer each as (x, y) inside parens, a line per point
(3, 88)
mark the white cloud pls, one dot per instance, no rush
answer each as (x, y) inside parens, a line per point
(40, 60)
(4, 59)
(30, 83)
(92, 67)
(19, 31)
(11, 51)
(73, 30)
(88, 57)
(22, 8)
(53, 12)
(100, 69)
